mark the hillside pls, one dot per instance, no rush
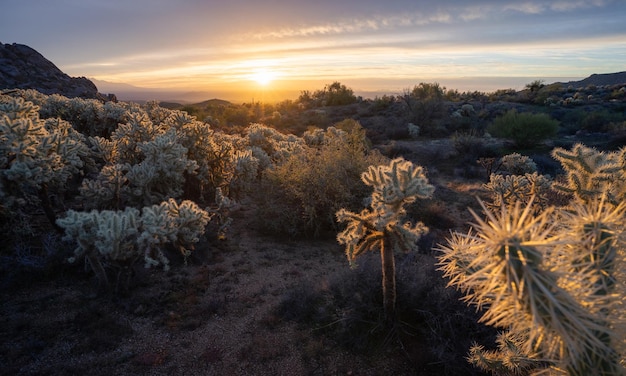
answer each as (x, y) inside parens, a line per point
(608, 79)
(21, 67)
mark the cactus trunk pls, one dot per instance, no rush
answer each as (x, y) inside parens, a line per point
(96, 265)
(389, 279)
(47, 208)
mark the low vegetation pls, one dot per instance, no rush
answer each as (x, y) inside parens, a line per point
(220, 196)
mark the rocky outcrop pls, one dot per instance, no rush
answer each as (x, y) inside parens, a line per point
(21, 67)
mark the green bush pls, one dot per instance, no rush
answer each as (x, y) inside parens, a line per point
(525, 129)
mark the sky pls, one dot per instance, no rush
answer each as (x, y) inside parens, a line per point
(279, 48)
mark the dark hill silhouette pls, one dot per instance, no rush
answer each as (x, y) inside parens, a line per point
(21, 67)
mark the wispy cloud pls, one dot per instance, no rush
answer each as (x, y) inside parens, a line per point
(354, 26)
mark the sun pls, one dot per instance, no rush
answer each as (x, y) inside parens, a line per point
(263, 77)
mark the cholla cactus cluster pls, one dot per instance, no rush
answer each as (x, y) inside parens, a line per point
(134, 170)
(508, 189)
(122, 237)
(158, 154)
(519, 181)
(276, 146)
(36, 156)
(554, 280)
(382, 227)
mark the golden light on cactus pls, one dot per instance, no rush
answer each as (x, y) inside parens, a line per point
(546, 278)
(382, 226)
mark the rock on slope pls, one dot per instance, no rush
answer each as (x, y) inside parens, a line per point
(21, 67)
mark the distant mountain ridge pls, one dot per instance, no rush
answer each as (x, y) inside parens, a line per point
(600, 80)
(21, 67)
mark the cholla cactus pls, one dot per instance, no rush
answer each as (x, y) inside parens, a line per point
(108, 190)
(506, 190)
(246, 171)
(590, 173)
(156, 171)
(122, 237)
(182, 225)
(518, 164)
(35, 154)
(552, 280)
(381, 226)
(106, 235)
(508, 359)
(212, 152)
(313, 137)
(161, 173)
(275, 144)
(414, 130)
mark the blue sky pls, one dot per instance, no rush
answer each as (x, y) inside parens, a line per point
(303, 44)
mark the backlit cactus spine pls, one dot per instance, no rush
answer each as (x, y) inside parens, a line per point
(591, 173)
(381, 227)
(553, 280)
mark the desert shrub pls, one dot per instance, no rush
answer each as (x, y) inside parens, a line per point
(425, 106)
(600, 121)
(381, 104)
(335, 94)
(468, 143)
(525, 129)
(553, 280)
(305, 187)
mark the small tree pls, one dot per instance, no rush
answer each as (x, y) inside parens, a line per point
(382, 227)
(425, 104)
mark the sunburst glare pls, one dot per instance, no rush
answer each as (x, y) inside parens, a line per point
(264, 76)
